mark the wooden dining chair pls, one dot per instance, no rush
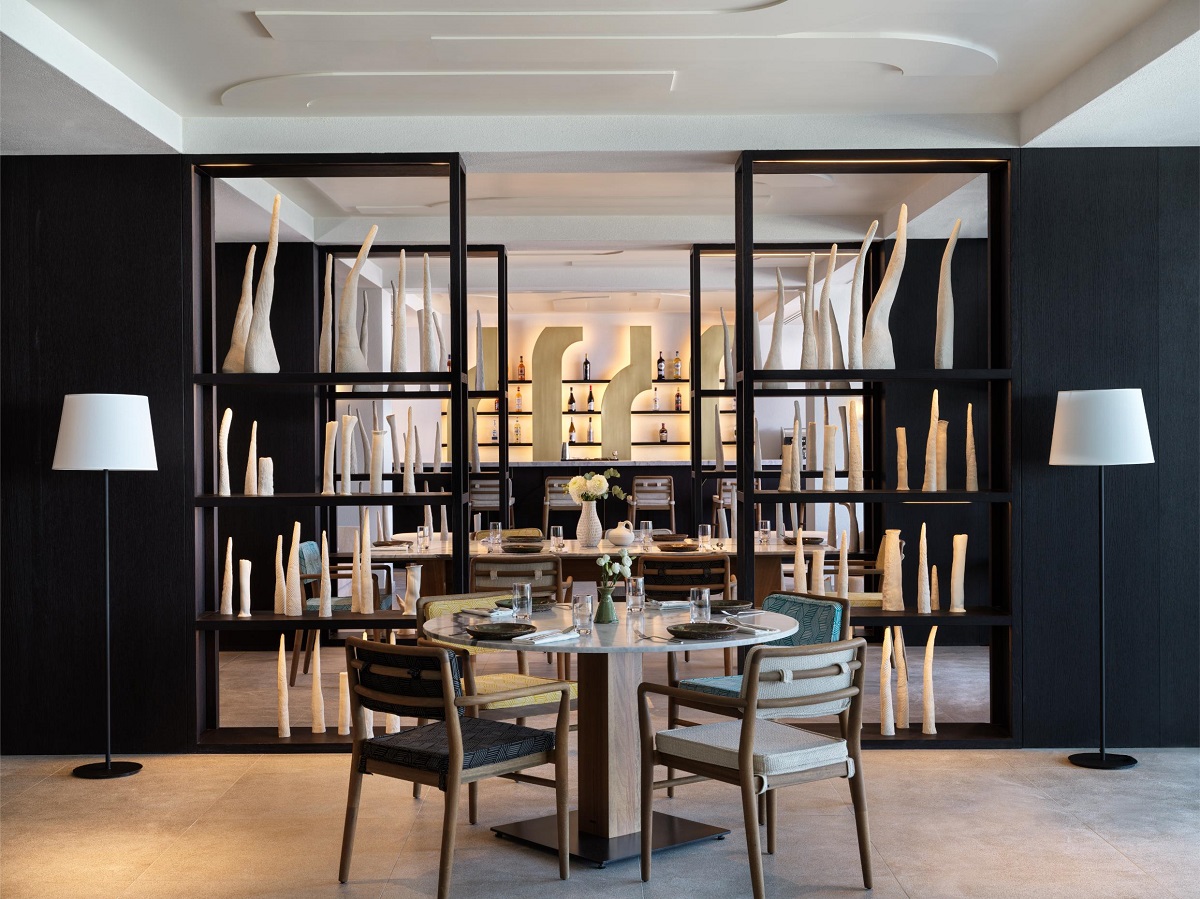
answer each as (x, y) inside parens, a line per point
(542, 571)
(455, 748)
(652, 494)
(557, 500)
(484, 496)
(671, 576)
(758, 754)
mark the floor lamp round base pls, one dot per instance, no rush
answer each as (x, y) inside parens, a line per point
(105, 770)
(1109, 761)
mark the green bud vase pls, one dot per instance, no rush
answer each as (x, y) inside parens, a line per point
(606, 612)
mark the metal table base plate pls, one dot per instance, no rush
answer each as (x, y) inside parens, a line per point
(669, 832)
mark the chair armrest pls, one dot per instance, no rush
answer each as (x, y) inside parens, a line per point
(690, 698)
(558, 686)
(566, 589)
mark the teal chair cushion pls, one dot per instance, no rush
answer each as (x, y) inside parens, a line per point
(310, 557)
(820, 621)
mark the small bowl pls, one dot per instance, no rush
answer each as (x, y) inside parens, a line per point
(730, 606)
(678, 547)
(668, 538)
(499, 630)
(701, 630)
(523, 538)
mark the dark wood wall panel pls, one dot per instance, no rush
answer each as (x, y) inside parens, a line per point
(93, 267)
(1104, 298)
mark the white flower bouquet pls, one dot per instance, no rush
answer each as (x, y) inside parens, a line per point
(591, 487)
(612, 570)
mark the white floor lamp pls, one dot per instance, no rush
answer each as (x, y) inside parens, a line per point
(1101, 427)
(105, 432)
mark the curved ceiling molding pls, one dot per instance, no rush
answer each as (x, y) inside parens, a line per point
(430, 91)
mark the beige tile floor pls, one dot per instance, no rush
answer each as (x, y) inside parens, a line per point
(943, 824)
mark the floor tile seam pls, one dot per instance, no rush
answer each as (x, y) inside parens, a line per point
(1166, 890)
(878, 853)
(167, 848)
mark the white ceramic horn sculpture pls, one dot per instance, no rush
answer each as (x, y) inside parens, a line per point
(943, 341)
(235, 359)
(877, 339)
(855, 336)
(350, 356)
(260, 347)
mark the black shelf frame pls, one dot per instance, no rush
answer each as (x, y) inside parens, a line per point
(1003, 617)
(203, 408)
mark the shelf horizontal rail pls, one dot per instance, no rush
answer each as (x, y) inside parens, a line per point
(209, 500)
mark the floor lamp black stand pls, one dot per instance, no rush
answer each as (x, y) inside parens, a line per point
(106, 432)
(1105, 760)
(1100, 428)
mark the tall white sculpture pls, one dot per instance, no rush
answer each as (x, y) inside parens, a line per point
(900, 659)
(250, 486)
(400, 319)
(325, 600)
(825, 322)
(829, 459)
(808, 348)
(223, 454)
(437, 447)
(928, 717)
(410, 478)
(843, 572)
(343, 703)
(855, 336)
(429, 361)
(349, 357)
(893, 586)
(235, 359)
(418, 462)
(331, 429)
(935, 599)
(795, 457)
(243, 588)
(887, 717)
(280, 578)
(758, 459)
(958, 573)
(972, 466)
(442, 354)
(727, 352)
(718, 442)
(816, 579)
(923, 575)
(479, 360)
(854, 465)
(376, 470)
(293, 597)
(775, 352)
(877, 339)
(901, 459)
(349, 423)
(943, 431)
(266, 476)
(943, 342)
(930, 484)
(799, 566)
(325, 344)
(226, 607)
(317, 698)
(281, 690)
(260, 348)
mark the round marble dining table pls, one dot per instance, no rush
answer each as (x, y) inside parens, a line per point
(606, 826)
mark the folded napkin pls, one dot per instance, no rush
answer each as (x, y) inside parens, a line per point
(668, 604)
(553, 636)
(752, 628)
(493, 614)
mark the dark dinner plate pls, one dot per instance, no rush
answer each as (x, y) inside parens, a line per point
(527, 548)
(678, 547)
(669, 538)
(539, 605)
(523, 538)
(729, 605)
(499, 630)
(808, 541)
(701, 630)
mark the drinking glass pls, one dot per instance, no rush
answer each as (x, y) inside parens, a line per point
(522, 602)
(423, 537)
(764, 532)
(700, 607)
(581, 613)
(704, 535)
(494, 536)
(556, 538)
(647, 533)
(635, 594)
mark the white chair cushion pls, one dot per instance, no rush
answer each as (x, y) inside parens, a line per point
(778, 749)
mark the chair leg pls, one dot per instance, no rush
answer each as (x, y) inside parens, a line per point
(647, 809)
(449, 820)
(728, 662)
(353, 795)
(858, 795)
(473, 803)
(308, 650)
(546, 518)
(296, 646)
(562, 811)
(762, 809)
(672, 723)
(753, 848)
(416, 786)
(772, 812)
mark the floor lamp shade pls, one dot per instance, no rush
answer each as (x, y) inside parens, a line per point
(105, 432)
(1100, 427)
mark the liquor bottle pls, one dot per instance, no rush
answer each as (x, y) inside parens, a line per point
(571, 432)
(520, 369)
(495, 432)
(591, 399)
(591, 434)
(678, 366)
(517, 432)
(587, 368)
(662, 433)
(520, 402)
(496, 405)
(655, 399)
(449, 366)
(678, 400)
(571, 401)
(662, 367)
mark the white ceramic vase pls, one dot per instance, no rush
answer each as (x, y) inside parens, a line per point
(589, 531)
